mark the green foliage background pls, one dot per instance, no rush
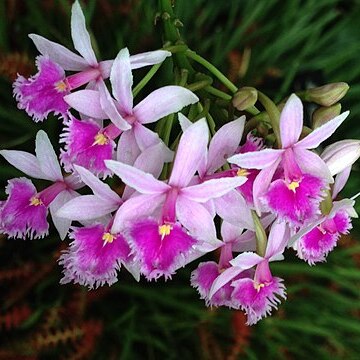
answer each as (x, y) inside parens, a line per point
(279, 47)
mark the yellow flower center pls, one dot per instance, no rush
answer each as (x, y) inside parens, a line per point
(100, 139)
(108, 238)
(293, 185)
(34, 201)
(242, 172)
(60, 86)
(164, 230)
(258, 286)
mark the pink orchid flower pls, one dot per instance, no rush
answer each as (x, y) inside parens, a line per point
(232, 206)
(256, 294)
(296, 195)
(44, 93)
(314, 242)
(157, 219)
(24, 212)
(126, 120)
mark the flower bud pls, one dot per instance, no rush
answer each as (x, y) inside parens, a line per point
(327, 95)
(245, 97)
(341, 155)
(325, 113)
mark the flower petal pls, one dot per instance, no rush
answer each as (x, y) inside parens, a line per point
(127, 149)
(184, 122)
(212, 188)
(162, 102)
(233, 208)
(122, 80)
(100, 189)
(291, 121)
(278, 239)
(196, 219)
(191, 150)
(223, 279)
(256, 159)
(246, 260)
(230, 232)
(341, 155)
(316, 137)
(108, 106)
(311, 163)
(59, 54)
(340, 181)
(262, 183)
(143, 182)
(86, 102)
(224, 143)
(47, 158)
(148, 58)
(62, 225)
(136, 208)
(82, 208)
(25, 162)
(80, 35)
(145, 137)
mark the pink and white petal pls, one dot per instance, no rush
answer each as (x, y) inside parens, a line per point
(135, 208)
(291, 121)
(151, 161)
(196, 219)
(108, 106)
(86, 207)
(224, 143)
(262, 183)
(62, 225)
(340, 181)
(246, 260)
(99, 188)
(190, 152)
(311, 163)
(59, 54)
(184, 122)
(127, 149)
(212, 189)
(86, 102)
(232, 208)
(225, 277)
(80, 35)
(139, 180)
(73, 181)
(162, 102)
(230, 232)
(47, 158)
(341, 155)
(122, 80)
(256, 159)
(245, 242)
(148, 58)
(146, 138)
(25, 162)
(278, 239)
(317, 136)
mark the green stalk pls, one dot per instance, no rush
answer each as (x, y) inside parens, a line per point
(217, 73)
(146, 79)
(274, 115)
(261, 238)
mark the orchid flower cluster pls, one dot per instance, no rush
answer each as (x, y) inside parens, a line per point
(265, 193)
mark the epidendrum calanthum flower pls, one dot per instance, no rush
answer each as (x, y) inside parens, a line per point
(163, 215)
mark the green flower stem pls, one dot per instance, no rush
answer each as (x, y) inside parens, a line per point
(261, 238)
(221, 77)
(218, 93)
(274, 115)
(176, 48)
(172, 34)
(146, 79)
(198, 85)
(166, 130)
(327, 204)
